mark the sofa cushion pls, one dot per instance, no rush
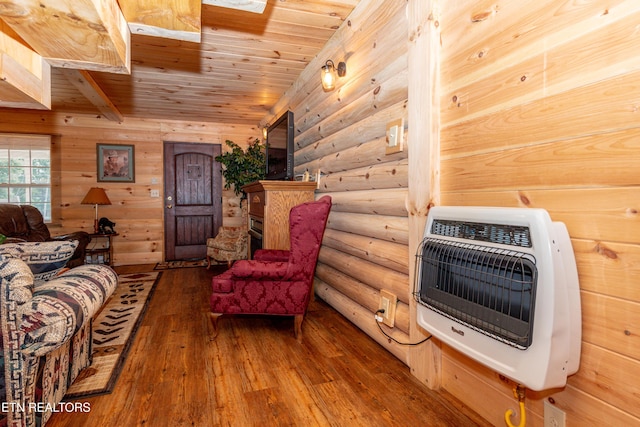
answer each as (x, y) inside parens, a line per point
(45, 259)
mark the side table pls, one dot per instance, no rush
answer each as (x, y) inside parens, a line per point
(100, 249)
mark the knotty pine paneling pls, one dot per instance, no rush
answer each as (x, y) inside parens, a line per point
(139, 218)
(539, 109)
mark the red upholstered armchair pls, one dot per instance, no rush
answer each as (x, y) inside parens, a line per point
(276, 282)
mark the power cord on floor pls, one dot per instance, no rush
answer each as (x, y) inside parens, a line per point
(379, 320)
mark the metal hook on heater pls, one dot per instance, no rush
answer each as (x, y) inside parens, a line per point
(518, 393)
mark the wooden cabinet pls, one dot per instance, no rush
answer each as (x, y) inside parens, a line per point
(269, 203)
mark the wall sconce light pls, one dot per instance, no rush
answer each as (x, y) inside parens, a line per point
(264, 131)
(328, 74)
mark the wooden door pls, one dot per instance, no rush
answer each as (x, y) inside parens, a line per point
(192, 198)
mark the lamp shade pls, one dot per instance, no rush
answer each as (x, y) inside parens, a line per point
(96, 196)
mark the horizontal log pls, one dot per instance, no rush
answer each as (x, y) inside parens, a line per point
(606, 214)
(369, 153)
(607, 268)
(363, 319)
(365, 23)
(605, 375)
(476, 88)
(372, 275)
(392, 174)
(390, 228)
(381, 252)
(389, 201)
(615, 164)
(620, 333)
(370, 128)
(362, 294)
(462, 377)
(520, 127)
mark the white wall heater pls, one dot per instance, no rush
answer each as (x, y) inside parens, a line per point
(501, 286)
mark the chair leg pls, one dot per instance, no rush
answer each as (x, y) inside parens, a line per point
(297, 326)
(208, 262)
(214, 322)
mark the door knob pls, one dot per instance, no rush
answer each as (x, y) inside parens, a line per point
(169, 206)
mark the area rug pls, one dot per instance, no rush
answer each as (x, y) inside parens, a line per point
(182, 264)
(114, 330)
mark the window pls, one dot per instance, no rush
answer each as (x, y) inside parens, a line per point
(25, 171)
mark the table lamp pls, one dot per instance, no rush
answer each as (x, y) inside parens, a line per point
(96, 196)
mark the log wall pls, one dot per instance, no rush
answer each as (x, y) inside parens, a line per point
(138, 217)
(536, 106)
(343, 134)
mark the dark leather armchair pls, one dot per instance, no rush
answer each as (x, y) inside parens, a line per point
(276, 282)
(25, 223)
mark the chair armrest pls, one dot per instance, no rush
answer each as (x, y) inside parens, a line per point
(61, 306)
(258, 270)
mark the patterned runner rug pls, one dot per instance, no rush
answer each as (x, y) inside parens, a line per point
(182, 264)
(113, 332)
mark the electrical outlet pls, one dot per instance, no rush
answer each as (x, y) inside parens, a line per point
(388, 303)
(553, 416)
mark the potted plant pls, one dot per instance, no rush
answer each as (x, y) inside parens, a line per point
(242, 167)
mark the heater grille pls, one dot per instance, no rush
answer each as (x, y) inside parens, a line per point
(512, 235)
(488, 289)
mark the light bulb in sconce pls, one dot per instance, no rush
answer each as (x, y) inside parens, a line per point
(329, 74)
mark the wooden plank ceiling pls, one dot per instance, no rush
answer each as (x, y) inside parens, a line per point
(244, 62)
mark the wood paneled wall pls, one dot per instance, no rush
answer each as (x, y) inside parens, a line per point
(138, 216)
(538, 108)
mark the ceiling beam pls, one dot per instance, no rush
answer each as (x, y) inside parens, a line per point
(25, 77)
(82, 34)
(88, 87)
(172, 19)
(255, 6)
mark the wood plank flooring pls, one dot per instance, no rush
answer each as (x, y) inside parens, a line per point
(256, 374)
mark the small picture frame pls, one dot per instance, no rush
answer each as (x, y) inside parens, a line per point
(116, 163)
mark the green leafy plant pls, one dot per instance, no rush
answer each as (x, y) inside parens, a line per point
(242, 167)
(2, 238)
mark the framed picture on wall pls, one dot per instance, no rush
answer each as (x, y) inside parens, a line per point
(116, 163)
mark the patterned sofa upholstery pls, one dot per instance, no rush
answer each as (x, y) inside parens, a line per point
(45, 321)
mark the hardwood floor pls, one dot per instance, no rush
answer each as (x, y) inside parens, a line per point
(255, 373)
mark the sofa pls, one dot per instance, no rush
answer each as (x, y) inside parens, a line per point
(25, 223)
(46, 311)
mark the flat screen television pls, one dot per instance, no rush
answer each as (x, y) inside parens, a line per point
(279, 151)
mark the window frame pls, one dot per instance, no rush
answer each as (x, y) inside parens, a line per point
(31, 143)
